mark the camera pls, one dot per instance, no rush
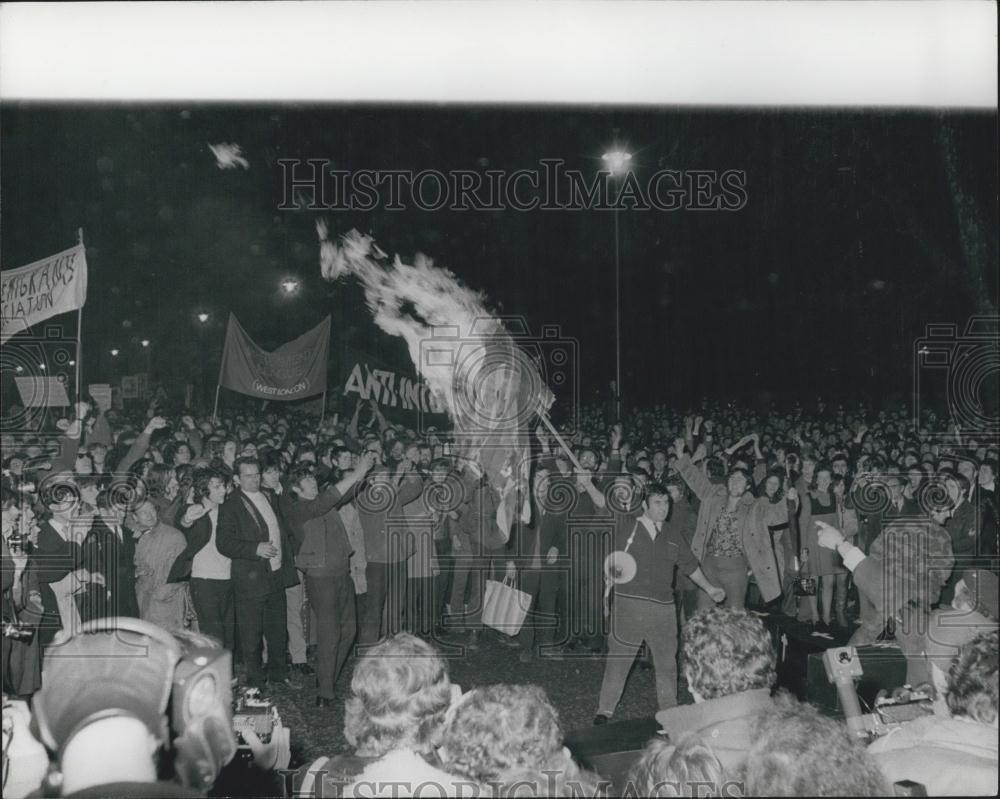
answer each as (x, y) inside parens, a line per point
(480, 365)
(255, 713)
(956, 368)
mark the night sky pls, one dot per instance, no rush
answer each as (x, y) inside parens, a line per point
(849, 244)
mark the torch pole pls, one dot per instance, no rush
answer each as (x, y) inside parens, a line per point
(562, 442)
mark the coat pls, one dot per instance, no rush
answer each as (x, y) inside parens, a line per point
(197, 535)
(753, 518)
(240, 528)
(380, 511)
(55, 559)
(477, 532)
(161, 602)
(949, 757)
(114, 559)
(725, 724)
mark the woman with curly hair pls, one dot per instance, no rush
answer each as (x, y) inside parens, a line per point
(163, 490)
(400, 693)
(687, 768)
(501, 735)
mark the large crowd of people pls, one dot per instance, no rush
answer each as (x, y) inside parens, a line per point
(278, 536)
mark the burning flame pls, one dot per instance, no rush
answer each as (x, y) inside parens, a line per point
(445, 324)
(489, 386)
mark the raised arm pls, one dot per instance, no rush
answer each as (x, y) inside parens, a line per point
(141, 443)
(352, 426)
(692, 475)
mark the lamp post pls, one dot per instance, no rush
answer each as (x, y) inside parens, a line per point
(203, 318)
(290, 285)
(617, 162)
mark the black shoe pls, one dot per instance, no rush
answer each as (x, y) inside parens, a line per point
(324, 701)
(600, 719)
(285, 682)
(303, 668)
(510, 643)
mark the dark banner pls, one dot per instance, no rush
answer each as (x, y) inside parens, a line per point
(293, 371)
(401, 395)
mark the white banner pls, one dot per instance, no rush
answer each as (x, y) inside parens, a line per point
(35, 292)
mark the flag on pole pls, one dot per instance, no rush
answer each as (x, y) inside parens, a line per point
(293, 371)
(46, 288)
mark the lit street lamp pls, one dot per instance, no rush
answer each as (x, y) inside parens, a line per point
(289, 285)
(618, 165)
(114, 353)
(203, 317)
(145, 342)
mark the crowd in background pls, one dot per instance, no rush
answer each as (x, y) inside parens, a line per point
(279, 536)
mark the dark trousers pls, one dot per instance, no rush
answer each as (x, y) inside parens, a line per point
(332, 598)
(729, 573)
(263, 617)
(541, 625)
(420, 615)
(213, 602)
(442, 583)
(635, 621)
(467, 578)
(384, 600)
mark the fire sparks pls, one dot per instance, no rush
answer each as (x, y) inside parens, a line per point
(228, 156)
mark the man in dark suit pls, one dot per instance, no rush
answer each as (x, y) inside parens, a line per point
(988, 544)
(960, 522)
(251, 534)
(109, 550)
(900, 506)
(541, 542)
(58, 555)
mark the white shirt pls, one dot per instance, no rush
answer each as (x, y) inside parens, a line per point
(650, 525)
(209, 564)
(273, 531)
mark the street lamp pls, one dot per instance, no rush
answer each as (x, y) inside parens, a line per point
(203, 317)
(145, 342)
(289, 285)
(618, 165)
(114, 352)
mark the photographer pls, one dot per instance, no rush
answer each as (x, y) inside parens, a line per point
(22, 606)
(956, 755)
(102, 713)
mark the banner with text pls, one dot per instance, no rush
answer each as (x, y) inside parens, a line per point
(401, 395)
(33, 293)
(293, 371)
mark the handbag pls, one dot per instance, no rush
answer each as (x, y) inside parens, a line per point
(505, 607)
(804, 586)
